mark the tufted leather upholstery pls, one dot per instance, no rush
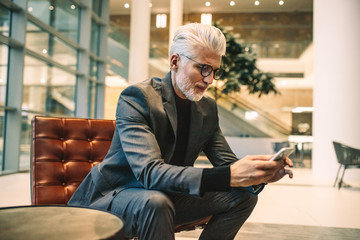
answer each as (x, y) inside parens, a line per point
(63, 151)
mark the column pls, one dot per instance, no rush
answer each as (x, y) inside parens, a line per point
(139, 41)
(13, 118)
(176, 17)
(103, 40)
(82, 88)
(337, 85)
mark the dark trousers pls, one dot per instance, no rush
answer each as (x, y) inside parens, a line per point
(152, 215)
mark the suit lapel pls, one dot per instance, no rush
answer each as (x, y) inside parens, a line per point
(169, 101)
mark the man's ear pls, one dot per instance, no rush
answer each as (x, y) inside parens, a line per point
(174, 62)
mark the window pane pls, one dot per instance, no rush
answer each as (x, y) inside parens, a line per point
(3, 72)
(44, 43)
(36, 39)
(2, 116)
(96, 6)
(40, 9)
(48, 89)
(94, 41)
(63, 15)
(93, 68)
(4, 21)
(25, 141)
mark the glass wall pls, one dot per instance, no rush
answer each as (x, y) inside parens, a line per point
(4, 21)
(45, 75)
(47, 89)
(3, 83)
(94, 42)
(3, 72)
(50, 46)
(62, 15)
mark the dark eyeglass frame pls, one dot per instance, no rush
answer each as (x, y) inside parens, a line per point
(216, 72)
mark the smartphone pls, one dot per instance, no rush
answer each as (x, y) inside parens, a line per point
(282, 153)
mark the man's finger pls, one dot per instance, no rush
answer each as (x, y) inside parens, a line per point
(259, 157)
(289, 172)
(289, 162)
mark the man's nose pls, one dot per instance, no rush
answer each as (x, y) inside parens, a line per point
(209, 79)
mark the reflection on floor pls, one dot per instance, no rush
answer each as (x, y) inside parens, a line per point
(290, 209)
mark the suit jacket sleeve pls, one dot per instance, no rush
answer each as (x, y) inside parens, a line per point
(134, 121)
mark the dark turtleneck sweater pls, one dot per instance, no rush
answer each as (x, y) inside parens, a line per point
(213, 179)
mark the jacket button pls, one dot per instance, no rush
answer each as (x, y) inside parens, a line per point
(114, 193)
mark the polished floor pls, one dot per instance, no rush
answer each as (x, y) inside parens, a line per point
(290, 209)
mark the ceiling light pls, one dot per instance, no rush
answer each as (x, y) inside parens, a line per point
(126, 5)
(44, 51)
(150, 4)
(206, 18)
(207, 4)
(232, 3)
(51, 7)
(281, 2)
(30, 9)
(257, 3)
(161, 20)
(72, 7)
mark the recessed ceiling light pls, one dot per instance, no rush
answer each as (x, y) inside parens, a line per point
(207, 4)
(257, 3)
(51, 7)
(72, 6)
(126, 5)
(281, 2)
(232, 3)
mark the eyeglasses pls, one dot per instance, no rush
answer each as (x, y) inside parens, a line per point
(206, 69)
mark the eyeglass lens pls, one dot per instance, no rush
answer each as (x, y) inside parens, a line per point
(207, 69)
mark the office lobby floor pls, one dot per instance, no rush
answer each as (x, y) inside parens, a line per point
(291, 209)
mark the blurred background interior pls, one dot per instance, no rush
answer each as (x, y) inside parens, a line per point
(74, 57)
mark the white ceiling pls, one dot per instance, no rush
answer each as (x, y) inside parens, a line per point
(219, 6)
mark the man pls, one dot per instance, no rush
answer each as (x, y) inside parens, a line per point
(162, 125)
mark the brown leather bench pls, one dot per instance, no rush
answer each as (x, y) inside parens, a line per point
(63, 150)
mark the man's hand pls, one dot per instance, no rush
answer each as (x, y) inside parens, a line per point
(257, 169)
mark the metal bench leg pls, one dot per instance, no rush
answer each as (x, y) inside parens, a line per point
(342, 176)
(337, 175)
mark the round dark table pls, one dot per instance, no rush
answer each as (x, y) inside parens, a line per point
(58, 222)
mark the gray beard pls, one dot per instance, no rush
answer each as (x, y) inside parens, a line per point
(189, 92)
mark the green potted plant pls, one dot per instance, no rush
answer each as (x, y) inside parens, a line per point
(240, 69)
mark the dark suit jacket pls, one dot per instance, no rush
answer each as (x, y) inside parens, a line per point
(144, 142)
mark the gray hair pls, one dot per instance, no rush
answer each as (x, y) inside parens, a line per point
(191, 36)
